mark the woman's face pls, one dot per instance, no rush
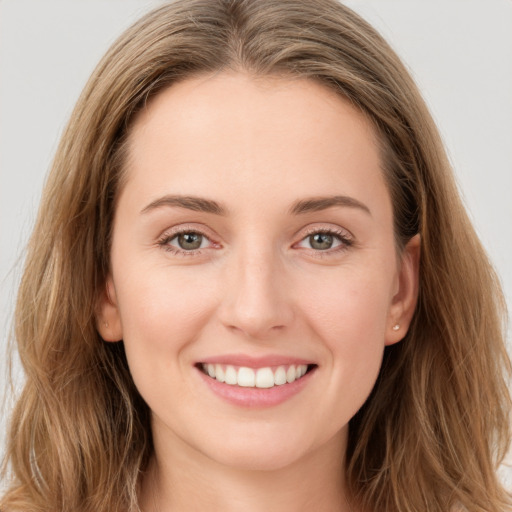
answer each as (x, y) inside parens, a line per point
(253, 239)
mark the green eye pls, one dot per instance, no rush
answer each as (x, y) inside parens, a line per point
(328, 241)
(321, 241)
(189, 241)
(186, 242)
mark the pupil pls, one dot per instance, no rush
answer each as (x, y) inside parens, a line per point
(190, 241)
(321, 241)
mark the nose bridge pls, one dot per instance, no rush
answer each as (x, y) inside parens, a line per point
(255, 300)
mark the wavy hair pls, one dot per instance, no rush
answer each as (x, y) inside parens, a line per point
(436, 425)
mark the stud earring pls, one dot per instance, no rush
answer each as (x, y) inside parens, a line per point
(396, 327)
(105, 324)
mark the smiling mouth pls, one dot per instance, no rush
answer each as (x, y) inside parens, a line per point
(263, 378)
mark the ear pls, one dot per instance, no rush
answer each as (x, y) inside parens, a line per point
(406, 294)
(108, 319)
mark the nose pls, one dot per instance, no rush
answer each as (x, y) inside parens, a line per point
(255, 299)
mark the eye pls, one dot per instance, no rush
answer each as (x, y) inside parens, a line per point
(321, 241)
(188, 241)
(185, 242)
(326, 240)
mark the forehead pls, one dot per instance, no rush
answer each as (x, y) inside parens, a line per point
(244, 101)
(277, 136)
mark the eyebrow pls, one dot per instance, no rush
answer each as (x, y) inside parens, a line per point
(200, 204)
(315, 204)
(197, 204)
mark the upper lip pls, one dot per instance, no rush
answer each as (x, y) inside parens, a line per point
(255, 362)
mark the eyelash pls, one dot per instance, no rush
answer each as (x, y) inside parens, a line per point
(165, 240)
(345, 242)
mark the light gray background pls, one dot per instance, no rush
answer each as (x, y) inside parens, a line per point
(459, 51)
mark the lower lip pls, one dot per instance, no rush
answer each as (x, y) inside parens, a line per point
(256, 397)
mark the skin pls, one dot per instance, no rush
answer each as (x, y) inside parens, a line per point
(257, 286)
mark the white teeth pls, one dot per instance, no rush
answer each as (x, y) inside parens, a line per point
(219, 373)
(250, 378)
(230, 375)
(264, 378)
(280, 376)
(246, 377)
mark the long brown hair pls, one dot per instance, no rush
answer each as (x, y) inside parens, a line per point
(430, 436)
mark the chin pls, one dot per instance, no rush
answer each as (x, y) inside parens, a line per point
(258, 459)
(264, 453)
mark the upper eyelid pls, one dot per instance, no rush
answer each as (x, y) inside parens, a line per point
(186, 228)
(334, 229)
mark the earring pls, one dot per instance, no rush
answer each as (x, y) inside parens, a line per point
(396, 327)
(105, 324)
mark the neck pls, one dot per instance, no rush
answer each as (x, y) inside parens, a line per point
(185, 481)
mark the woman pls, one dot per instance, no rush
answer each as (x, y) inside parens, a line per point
(253, 285)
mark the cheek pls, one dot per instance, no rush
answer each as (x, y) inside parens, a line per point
(162, 312)
(349, 315)
(354, 302)
(160, 300)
